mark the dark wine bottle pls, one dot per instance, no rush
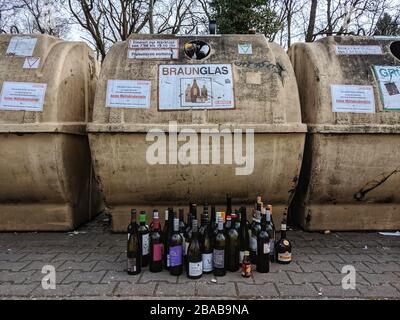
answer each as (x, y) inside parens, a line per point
(232, 247)
(182, 232)
(255, 229)
(244, 241)
(271, 234)
(156, 215)
(206, 247)
(156, 247)
(134, 258)
(175, 251)
(195, 262)
(165, 240)
(145, 239)
(228, 205)
(219, 251)
(263, 248)
(283, 246)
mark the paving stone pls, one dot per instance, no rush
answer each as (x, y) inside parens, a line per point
(257, 290)
(325, 257)
(11, 256)
(336, 292)
(312, 277)
(138, 290)
(116, 276)
(381, 278)
(163, 276)
(18, 290)
(304, 290)
(317, 266)
(83, 266)
(384, 267)
(78, 276)
(383, 258)
(13, 266)
(351, 258)
(73, 257)
(336, 278)
(15, 277)
(39, 257)
(272, 277)
(101, 257)
(88, 289)
(112, 266)
(216, 290)
(176, 290)
(62, 290)
(379, 292)
(293, 266)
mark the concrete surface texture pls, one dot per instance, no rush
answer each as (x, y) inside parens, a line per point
(349, 179)
(45, 164)
(265, 99)
(90, 264)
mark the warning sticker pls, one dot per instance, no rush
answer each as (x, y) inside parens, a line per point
(389, 85)
(31, 63)
(245, 48)
(128, 94)
(22, 96)
(196, 86)
(154, 49)
(354, 99)
(21, 46)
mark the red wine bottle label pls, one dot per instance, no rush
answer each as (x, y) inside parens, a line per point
(207, 262)
(266, 248)
(131, 267)
(285, 257)
(157, 252)
(195, 269)
(145, 244)
(175, 256)
(219, 258)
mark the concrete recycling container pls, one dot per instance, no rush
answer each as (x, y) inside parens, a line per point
(350, 98)
(47, 91)
(152, 88)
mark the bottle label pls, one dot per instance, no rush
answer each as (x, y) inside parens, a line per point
(253, 243)
(207, 262)
(272, 247)
(241, 257)
(157, 252)
(246, 269)
(285, 257)
(266, 248)
(195, 269)
(145, 244)
(175, 256)
(219, 259)
(168, 261)
(131, 267)
(285, 242)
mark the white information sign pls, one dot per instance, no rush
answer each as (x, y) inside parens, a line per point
(128, 94)
(21, 46)
(22, 96)
(245, 48)
(389, 85)
(154, 49)
(31, 63)
(358, 50)
(196, 86)
(352, 98)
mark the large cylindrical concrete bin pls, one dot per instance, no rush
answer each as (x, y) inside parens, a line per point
(47, 92)
(350, 101)
(170, 84)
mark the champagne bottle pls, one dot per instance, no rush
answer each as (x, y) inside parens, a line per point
(156, 247)
(134, 258)
(255, 229)
(232, 248)
(206, 247)
(175, 251)
(219, 251)
(244, 240)
(283, 246)
(195, 262)
(145, 239)
(263, 248)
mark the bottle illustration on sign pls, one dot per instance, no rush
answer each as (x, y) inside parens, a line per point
(194, 92)
(392, 89)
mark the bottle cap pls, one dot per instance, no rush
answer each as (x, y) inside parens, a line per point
(246, 253)
(142, 216)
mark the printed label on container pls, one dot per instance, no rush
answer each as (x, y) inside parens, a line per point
(195, 269)
(219, 258)
(145, 244)
(134, 94)
(21, 46)
(172, 54)
(22, 96)
(131, 267)
(154, 44)
(207, 262)
(196, 86)
(358, 50)
(175, 256)
(157, 252)
(388, 78)
(253, 243)
(285, 257)
(266, 248)
(353, 99)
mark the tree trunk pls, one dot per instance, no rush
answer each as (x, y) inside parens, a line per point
(311, 23)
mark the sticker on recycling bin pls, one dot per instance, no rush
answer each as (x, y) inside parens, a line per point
(133, 94)
(245, 48)
(21, 46)
(353, 99)
(388, 78)
(153, 49)
(22, 96)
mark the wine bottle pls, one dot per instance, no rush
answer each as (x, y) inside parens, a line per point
(246, 265)
(271, 234)
(182, 231)
(283, 246)
(156, 216)
(228, 205)
(145, 239)
(156, 247)
(213, 218)
(263, 248)
(237, 220)
(219, 251)
(134, 258)
(232, 247)
(165, 240)
(175, 251)
(244, 240)
(195, 262)
(255, 229)
(206, 247)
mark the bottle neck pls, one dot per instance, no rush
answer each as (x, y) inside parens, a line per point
(283, 231)
(176, 225)
(133, 217)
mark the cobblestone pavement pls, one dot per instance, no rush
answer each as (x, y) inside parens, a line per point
(90, 264)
